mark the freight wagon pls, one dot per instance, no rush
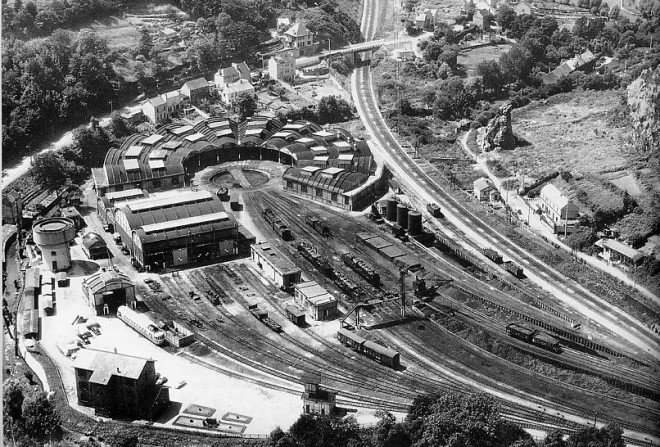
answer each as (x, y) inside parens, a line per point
(434, 209)
(533, 336)
(322, 263)
(514, 269)
(262, 316)
(276, 224)
(492, 255)
(381, 354)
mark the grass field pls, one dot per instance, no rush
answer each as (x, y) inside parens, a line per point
(572, 132)
(470, 59)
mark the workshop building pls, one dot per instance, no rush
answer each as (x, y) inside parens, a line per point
(118, 385)
(318, 303)
(105, 291)
(274, 267)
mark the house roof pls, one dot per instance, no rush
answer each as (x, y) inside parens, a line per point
(482, 183)
(242, 69)
(93, 240)
(157, 101)
(241, 85)
(555, 197)
(229, 72)
(297, 30)
(621, 248)
(197, 84)
(107, 364)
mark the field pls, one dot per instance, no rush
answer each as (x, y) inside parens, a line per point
(470, 59)
(573, 132)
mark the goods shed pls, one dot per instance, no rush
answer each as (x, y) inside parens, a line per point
(276, 268)
(107, 290)
(328, 185)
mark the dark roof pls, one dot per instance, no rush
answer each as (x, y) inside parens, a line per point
(93, 240)
(340, 182)
(197, 84)
(107, 364)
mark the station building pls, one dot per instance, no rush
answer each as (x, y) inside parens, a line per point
(276, 268)
(317, 302)
(177, 227)
(105, 291)
(119, 385)
(559, 212)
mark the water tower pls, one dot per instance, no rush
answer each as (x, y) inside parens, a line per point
(53, 237)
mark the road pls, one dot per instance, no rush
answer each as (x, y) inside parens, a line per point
(478, 231)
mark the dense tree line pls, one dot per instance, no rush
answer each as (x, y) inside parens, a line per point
(28, 416)
(442, 419)
(50, 83)
(331, 109)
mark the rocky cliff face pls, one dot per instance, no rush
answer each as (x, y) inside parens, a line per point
(499, 134)
(644, 107)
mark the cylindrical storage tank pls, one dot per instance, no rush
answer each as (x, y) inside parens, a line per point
(382, 206)
(414, 223)
(53, 237)
(391, 209)
(402, 216)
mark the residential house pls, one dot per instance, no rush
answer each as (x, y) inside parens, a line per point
(481, 18)
(422, 20)
(583, 62)
(522, 8)
(232, 92)
(617, 252)
(119, 385)
(484, 190)
(225, 76)
(282, 66)
(300, 38)
(173, 101)
(155, 109)
(401, 54)
(558, 210)
(196, 90)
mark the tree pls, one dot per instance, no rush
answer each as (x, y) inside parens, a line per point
(505, 16)
(491, 74)
(123, 439)
(323, 431)
(333, 109)
(517, 63)
(608, 436)
(40, 417)
(12, 399)
(49, 171)
(246, 106)
(145, 43)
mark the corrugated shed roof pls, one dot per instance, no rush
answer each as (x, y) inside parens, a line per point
(93, 240)
(101, 280)
(341, 182)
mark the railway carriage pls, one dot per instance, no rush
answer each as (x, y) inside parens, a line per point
(142, 324)
(534, 337)
(547, 342)
(381, 354)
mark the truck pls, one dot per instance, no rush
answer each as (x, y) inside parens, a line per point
(434, 209)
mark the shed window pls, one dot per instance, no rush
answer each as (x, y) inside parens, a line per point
(303, 188)
(333, 197)
(319, 192)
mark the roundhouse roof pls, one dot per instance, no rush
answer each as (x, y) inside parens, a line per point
(338, 182)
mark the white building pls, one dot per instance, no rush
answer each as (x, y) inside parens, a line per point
(558, 209)
(282, 66)
(318, 303)
(228, 75)
(155, 109)
(274, 266)
(300, 38)
(232, 92)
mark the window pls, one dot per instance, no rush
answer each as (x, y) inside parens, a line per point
(346, 201)
(319, 192)
(333, 197)
(53, 253)
(156, 183)
(175, 180)
(289, 184)
(303, 188)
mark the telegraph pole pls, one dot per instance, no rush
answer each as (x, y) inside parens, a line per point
(402, 279)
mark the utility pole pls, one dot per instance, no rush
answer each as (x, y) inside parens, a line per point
(402, 279)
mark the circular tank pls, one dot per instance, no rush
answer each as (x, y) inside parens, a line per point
(414, 223)
(53, 237)
(382, 206)
(391, 209)
(402, 216)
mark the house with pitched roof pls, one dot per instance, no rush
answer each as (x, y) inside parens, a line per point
(615, 252)
(522, 8)
(196, 90)
(583, 62)
(232, 92)
(282, 66)
(228, 75)
(300, 38)
(484, 190)
(119, 385)
(559, 212)
(155, 109)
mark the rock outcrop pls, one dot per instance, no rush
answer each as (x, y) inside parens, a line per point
(499, 134)
(644, 107)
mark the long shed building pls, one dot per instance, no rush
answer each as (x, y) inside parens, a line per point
(177, 227)
(274, 266)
